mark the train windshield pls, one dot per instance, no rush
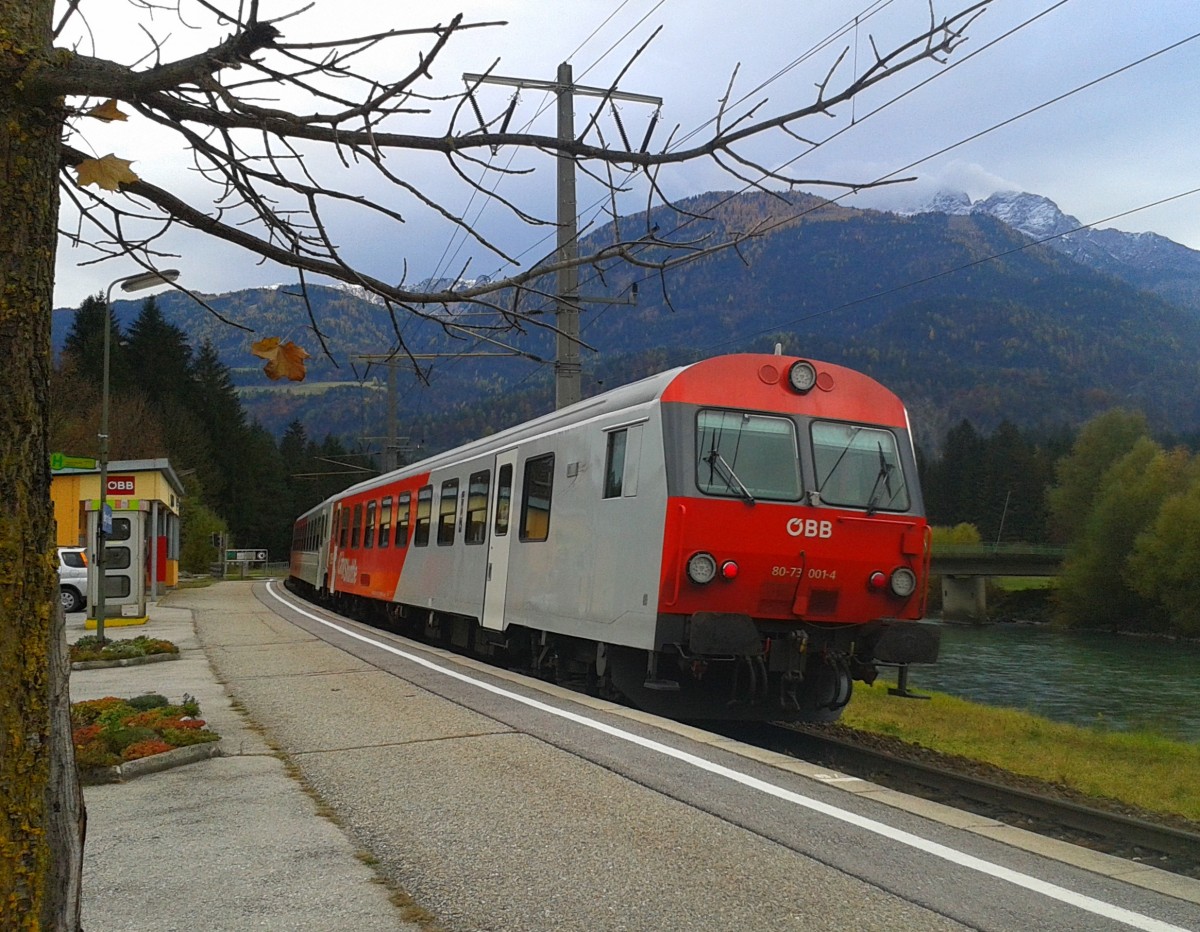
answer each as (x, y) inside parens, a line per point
(858, 467)
(748, 456)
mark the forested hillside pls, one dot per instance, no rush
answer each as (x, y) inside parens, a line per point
(949, 311)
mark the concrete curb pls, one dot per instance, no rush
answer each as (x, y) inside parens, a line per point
(95, 776)
(122, 662)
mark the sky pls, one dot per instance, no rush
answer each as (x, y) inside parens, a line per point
(1104, 150)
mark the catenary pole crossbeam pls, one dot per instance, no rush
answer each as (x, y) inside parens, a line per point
(567, 366)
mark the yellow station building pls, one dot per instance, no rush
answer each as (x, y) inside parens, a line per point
(145, 497)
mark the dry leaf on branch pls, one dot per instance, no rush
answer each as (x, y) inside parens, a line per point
(283, 360)
(107, 111)
(108, 173)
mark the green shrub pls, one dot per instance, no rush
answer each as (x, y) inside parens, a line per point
(185, 737)
(119, 737)
(148, 701)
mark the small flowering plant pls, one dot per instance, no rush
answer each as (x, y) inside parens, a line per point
(110, 730)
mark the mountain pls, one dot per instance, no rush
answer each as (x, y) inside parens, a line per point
(955, 309)
(1145, 260)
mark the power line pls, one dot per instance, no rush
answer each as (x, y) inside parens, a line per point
(1006, 122)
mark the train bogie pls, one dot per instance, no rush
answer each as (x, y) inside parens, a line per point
(739, 538)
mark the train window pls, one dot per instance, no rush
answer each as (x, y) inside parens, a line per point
(345, 527)
(424, 513)
(614, 465)
(447, 512)
(385, 521)
(535, 497)
(503, 498)
(858, 466)
(403, 507)
(748, 456)
(477, 505)
(356, 528)
(369, 529)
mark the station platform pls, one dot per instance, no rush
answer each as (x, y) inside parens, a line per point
(370, 783)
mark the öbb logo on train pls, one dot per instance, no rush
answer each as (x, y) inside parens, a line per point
(809, 527)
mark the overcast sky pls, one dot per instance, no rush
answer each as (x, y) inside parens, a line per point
(1113, 147)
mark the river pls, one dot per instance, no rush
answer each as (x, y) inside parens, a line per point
(1085, 678)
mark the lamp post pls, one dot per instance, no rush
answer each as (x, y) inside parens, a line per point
(139, 282)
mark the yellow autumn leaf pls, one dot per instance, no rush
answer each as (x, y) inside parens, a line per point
(283, 360)
(107, 111)
(108, 173)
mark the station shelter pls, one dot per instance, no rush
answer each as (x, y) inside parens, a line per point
(142, 553)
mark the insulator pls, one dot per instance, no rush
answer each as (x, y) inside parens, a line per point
(649, 131)
(508, 115)
(620, 126)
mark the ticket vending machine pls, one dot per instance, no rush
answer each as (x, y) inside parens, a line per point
(124, 563)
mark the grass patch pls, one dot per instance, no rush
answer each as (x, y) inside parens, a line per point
(197, 582)
(1137, 768)
(1023, 583)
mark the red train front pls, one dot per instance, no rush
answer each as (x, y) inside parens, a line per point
(795, 548)
(738, 538)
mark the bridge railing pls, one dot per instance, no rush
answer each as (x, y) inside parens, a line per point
(983, 550)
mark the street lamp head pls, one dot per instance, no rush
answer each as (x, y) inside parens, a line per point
(149, 279)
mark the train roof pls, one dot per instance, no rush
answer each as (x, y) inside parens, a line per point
(717, 380)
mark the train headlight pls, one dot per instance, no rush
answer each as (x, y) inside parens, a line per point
(802, 376)
(729, 570)
(701, 568)
(904, 582)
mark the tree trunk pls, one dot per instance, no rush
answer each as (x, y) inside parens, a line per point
(41, 812)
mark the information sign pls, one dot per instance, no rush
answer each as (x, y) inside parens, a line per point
(62, 461)
(245, 556)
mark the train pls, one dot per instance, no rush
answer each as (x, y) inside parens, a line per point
(741, 538)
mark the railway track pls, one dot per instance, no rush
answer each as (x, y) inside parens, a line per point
(1034, 807)
(1021, 802)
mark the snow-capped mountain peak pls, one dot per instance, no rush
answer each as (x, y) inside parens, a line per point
(1032, 214)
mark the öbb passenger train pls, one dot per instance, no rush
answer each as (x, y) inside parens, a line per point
(736, 539)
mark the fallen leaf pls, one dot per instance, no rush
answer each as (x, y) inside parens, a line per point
(107, 111)
(283, 360)
(108, 173)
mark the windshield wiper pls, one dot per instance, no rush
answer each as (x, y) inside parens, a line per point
(838, 462)
(731, 479)
(884, 476)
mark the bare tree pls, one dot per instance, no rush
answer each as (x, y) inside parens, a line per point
(259, 117)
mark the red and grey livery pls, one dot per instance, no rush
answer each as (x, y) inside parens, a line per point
(739, 538)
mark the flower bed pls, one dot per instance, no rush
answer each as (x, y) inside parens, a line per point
(111, 731)
(92, 648)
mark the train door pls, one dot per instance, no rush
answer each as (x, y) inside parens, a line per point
(495, 585)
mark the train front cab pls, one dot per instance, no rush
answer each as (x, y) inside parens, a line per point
(795, 552)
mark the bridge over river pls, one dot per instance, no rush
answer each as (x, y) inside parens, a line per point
(965, 570)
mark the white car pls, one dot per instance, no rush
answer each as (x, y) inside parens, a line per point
(72, 578)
